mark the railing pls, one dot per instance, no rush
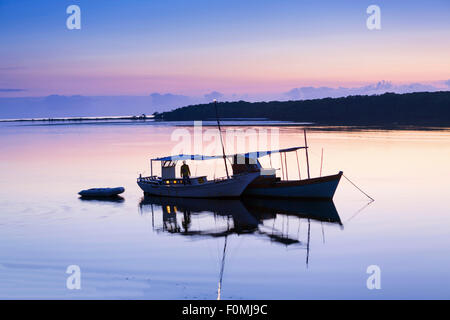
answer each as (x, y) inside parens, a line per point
(149, 179)
(159, 180)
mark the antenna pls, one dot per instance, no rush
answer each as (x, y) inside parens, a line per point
(221, 141)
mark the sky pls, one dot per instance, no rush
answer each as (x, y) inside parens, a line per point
(256, 47)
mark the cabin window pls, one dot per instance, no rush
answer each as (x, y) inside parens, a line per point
(243, 164)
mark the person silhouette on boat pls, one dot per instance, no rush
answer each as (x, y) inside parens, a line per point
(185, 173)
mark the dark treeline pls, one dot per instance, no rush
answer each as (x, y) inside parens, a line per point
(421, 108)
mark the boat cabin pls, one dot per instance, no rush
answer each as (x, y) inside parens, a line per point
(246, 163)
(169, 176)
(168, 170)
(242, 163)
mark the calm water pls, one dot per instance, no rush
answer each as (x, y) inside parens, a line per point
(158, 249)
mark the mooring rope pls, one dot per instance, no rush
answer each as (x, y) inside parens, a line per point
(359, 211)
(358, 188)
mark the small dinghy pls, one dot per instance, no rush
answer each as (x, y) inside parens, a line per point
(101, 192)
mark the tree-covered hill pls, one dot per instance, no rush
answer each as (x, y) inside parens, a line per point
(421, 108)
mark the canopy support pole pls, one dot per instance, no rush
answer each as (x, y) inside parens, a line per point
(151, 167)
(306, 150)
(321, 163)
(298, 166)
(285, 164)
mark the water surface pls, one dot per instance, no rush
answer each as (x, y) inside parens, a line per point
(141, 248)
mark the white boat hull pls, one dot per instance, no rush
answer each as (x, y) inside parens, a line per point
(227, 188)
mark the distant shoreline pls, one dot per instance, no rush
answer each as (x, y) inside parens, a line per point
(227, 124)
(107, 118)
(389, 111)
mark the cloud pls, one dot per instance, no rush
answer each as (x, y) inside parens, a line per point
(381, 87)
(447, 83)
(169, 100)
(11, 90)
(213, 95)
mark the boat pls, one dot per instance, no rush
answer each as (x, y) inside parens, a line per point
(101, 192)
(231, 186)
(168, 185)
(313, 188)
(268, 185)
(249, 178)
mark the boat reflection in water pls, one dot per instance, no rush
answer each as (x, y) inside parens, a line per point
(265, 218)
(113, 199)
(239, 216)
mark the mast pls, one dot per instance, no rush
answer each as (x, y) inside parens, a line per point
(306, 150)
(221, 141)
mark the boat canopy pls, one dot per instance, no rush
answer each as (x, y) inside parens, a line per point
(187, 157)
(259, 154)
(255, 154)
